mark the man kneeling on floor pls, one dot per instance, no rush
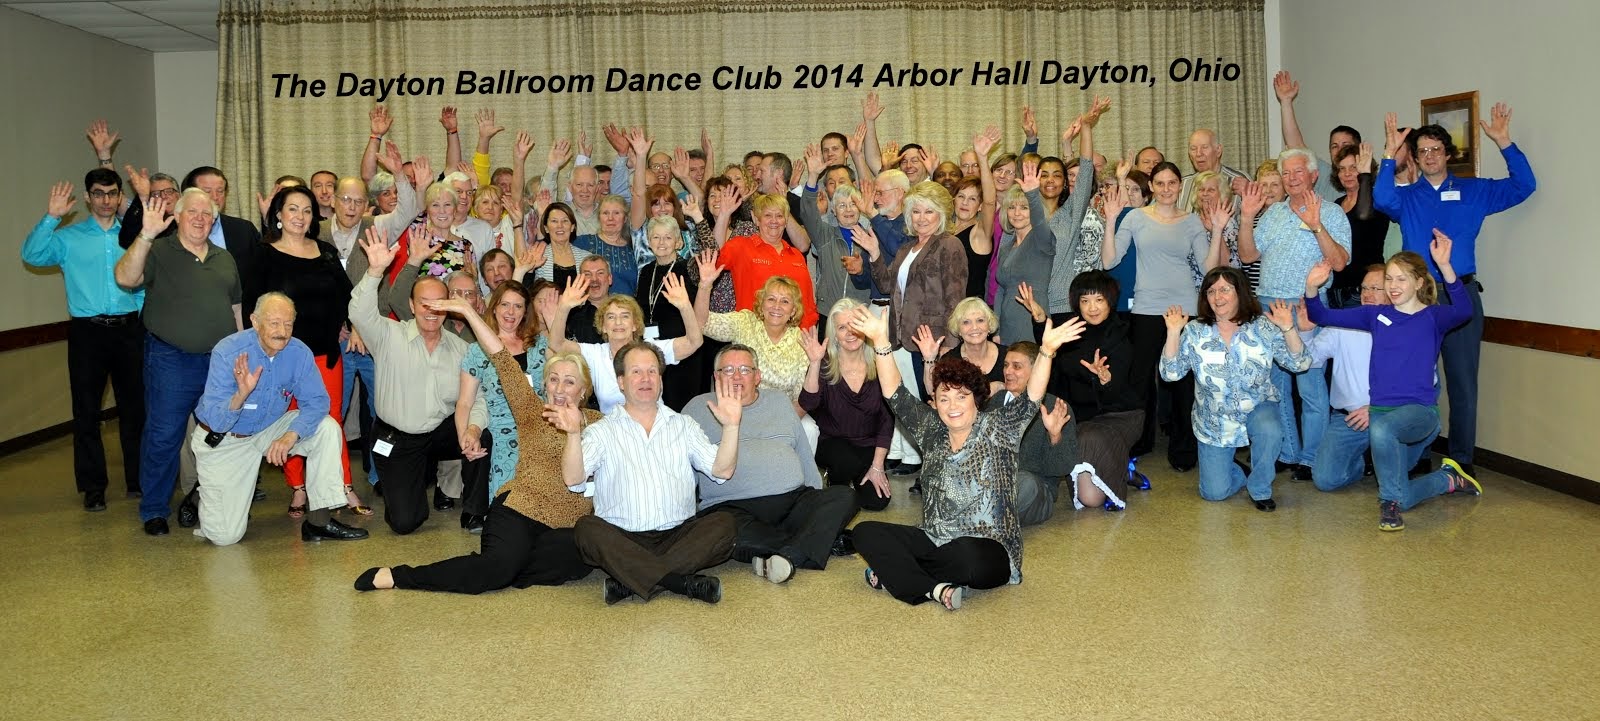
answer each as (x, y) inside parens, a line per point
(643, 456)
(786, 518)
(244, 414)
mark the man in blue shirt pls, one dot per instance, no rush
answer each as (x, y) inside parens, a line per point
(1456, 207)
(105, 337)
(244, 414)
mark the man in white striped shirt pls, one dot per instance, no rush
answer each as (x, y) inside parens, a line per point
(642, 457)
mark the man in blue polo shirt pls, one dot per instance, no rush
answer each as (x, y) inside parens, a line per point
(1456, 207)
(105, 337)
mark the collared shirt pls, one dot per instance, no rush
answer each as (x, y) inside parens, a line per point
(1351, 352)
(751, 261)
(1230, 379)
(417, 389)
(891, 234)
(216, 236)
(292, 373)
(644, 481)
(1289, 248)
(87, 255)
(188, 301)
(775, 455)
(1457, 207)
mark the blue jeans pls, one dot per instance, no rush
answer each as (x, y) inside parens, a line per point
(1460, 354)
(1300, 439)
(1399, 437)
(1338, 461)
(1220, 477)
(174, 380)
(359, 364)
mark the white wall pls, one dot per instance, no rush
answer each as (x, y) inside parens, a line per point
(1357, 59)
(186, 110)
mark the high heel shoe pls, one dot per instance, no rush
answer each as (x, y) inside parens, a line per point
(297, 510)
(353, 503)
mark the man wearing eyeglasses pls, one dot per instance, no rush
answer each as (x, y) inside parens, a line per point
(1456, 207)
(786, 518)
(105, 336)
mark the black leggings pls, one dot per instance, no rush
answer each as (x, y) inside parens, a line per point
(517, 551)
(846, 464)
(1149, 336)
(908, 565)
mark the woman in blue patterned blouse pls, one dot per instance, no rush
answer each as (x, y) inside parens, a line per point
(1230, 348)
(970, 535)
(518, 329)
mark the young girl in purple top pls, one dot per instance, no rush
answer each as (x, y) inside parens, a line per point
(1405, 349)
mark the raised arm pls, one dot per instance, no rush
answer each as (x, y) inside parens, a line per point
(487, 129)
(452, 138)
(104, 142)
(982, 236)
(129, 271)
(1285, 87)
(1115, 241)
(364, 298)
(706, 262)
(378, 124)
(1052, 339)
(1519, 182)
(1217, 252)
(1250, 203)
(876, 330)
(576, 294)
(1364, 183)
(678, 296)
(870, 110)
(639, 144)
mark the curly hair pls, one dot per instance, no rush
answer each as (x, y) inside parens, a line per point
(955, 372)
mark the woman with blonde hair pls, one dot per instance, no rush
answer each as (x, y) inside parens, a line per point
(973, 322)
(841, 394)
(1213, 204)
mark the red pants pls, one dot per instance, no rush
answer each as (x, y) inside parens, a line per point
(294, 471)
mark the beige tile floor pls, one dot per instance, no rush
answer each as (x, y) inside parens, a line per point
(1177, 609)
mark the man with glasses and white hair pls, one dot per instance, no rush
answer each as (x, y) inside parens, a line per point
(786, 518)
(105, 336)
(192, 301)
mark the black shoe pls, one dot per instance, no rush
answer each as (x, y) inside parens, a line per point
(364, 581)
(1181, 466)
(1300, 473)
(703, 588)
(156, 527)
(334, 531)
(844, 544)
(916, 488)
(1244, 467)
(906, 469)
(259, 496)
(1267, 504)
(1367, 469)
(189, 509)
(441, 502)
(94, 501)
(1280, 466)
(472, 523)
(615, 592)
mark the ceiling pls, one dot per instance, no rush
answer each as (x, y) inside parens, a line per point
(160, 26)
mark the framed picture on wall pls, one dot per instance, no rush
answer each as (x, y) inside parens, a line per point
(1458, 115)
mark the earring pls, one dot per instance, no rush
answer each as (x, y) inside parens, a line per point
(279, 225)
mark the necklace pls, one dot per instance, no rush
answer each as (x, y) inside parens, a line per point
(655, 288)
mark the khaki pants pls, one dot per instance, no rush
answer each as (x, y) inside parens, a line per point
(228, 472)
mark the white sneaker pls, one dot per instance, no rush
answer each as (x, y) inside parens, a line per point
(775, 568)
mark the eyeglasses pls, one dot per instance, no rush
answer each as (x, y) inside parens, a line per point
(1425, 152)
(660, 166)
(729, 371)
(167, 193)
(463, 294)
(104, 194)
(1372, 288)
(351, 199)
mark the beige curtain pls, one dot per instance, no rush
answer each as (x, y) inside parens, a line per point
(263, 134)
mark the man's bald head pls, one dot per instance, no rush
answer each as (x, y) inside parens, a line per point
(1205, 150)
(437, 289)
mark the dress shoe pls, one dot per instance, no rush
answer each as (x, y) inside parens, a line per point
(844, 544)
(1300, 472)
(1280, 466)
(334, 531)
(441, 502)
(94, 501)
(472, 523)
(377, 490)
(364, 581)
(156, 527)
(774, 568)
(703, 588)
(1267, 505)
(189, 509)
(1180, 466)
(906, 469)
(615, 592)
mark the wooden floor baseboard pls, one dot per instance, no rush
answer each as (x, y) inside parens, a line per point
(49, 433)
(1542, 476)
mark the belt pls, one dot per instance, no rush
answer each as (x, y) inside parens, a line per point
(880, 302)
(1468, 279)
(208, 429)
(111, 321)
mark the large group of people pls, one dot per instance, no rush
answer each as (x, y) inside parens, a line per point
(666, 363)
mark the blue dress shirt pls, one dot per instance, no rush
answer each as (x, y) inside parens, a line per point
(1457, 207)
(292, 373)
(87, 255)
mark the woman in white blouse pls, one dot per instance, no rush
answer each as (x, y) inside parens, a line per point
(620, 321)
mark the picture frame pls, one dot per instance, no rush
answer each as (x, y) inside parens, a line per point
(1458, 115)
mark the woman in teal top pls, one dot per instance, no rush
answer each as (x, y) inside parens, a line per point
(509, 312)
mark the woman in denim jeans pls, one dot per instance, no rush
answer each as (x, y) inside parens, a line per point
(1230, 347)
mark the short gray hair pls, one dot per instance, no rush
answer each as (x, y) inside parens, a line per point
(1302, 153)
(193, 195)
(755, 362)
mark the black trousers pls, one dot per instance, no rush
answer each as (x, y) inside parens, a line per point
(846, 464)
(95, 351)
(909, 565)
(800, 525)
(1149, 335)
(412, 465)
(517, 551)
(640, 559)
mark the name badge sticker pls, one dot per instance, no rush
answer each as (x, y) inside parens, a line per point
(382, 448)
(1384, 319)
(652, 332)
(249, 406)
(1450, 195)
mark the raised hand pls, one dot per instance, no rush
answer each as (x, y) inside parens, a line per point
(1056, 418)
(926, 344)
(1030, 123)
(61, 200)
(378, 120)
(1498, 127)
(1072, 131)
(706, 148)
(871, 325)
(1096, 109)
(1219, 214)
(1124, 165)
(1025, 299)
(264, 202)
(523, 146)
(852, 263)
(1364, 159)
(585, 148)
(567, 419)
(140, 180)
(447, 118)
(1318, 275)
(1100, 367)
(813, 157)
(871, 108)
(1439, 248)
(815, 350)
(379, 254)
(617, 139)
(867, 240)
(1285, 87)
(1056, 336)
(727, 407)
(560, 154)
(244, 379)
(639, 143)
(103, 140)
(680, 166)
(930, 159)
(673, 290)
(984, 142)
(1029, 179)
(420, 245)
(1394, 139)
(487, 127)
(1116, 198)
(576, 293)
(858, 139)
(1176, 319)
(531, 257)
(1281, 315)
(391, 159)
(691, 208)
(707, 265)
(422, 169)
(1251, 200)
(465, 168)
(541, 202)
(891, 155)
(1309, 210)
(156, 217)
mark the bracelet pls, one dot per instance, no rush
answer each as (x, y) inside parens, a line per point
(883, 351)
(105, 160)
(930, 362)
(451, 132)
(516, 226)
(378, 138)
(1047, 355)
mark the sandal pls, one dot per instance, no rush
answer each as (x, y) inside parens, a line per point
(296, 511)
(872, 580)
(353, 503)
(947, 594)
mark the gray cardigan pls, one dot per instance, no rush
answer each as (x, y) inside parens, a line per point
(1031, 263)
(827, 244)
(1067, 222)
